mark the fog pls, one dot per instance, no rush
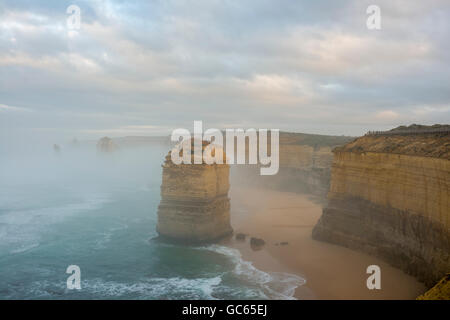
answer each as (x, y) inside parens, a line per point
(39, 165)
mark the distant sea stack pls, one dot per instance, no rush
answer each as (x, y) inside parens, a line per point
(194, 206)
(56, 148)
(106, 145)
(74, 143)
(390, 196)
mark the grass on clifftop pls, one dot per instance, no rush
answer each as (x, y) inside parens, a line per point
(441, 291)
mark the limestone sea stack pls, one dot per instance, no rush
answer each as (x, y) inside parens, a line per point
(56, 148)
(106, 145)
(390, 196)
(194, 206)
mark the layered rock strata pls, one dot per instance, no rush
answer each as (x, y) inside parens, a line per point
(305, 165)
(390, 196)
(194, 205)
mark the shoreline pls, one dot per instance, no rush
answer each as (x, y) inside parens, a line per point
(330, 271)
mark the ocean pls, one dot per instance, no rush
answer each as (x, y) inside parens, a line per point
(99, 212)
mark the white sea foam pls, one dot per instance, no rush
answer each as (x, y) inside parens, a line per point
(153, 288)
(21, 230)
(256, 284)
(275, 285)
(25, 248)
(105, 237)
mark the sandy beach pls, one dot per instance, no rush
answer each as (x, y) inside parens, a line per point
(331, 271)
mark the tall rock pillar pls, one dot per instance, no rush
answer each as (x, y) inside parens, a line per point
(194, 205)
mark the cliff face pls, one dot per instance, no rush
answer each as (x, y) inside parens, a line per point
(390, 196)
(419, 185)
(305, 165)
(305, 157)
(194, 203)
(303, 168)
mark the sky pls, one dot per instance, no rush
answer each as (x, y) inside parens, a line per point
(149, 67)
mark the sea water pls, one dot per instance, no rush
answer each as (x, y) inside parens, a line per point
(99, 212)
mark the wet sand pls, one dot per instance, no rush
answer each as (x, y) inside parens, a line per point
(331, 271)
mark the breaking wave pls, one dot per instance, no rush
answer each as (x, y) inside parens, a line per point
(21, 229)
(274, 285)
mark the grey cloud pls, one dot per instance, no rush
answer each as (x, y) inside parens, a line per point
(301, 66)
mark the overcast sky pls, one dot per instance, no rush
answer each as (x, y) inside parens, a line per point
(148, 67)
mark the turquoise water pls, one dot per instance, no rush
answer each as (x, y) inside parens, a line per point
(99, 213)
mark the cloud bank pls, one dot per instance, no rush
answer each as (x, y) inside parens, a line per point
(145, 68)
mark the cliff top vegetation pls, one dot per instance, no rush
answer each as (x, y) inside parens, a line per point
(313, 140)
(415, 140)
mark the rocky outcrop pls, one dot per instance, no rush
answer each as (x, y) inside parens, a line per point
(106, 145)
(194, 203)
(390, 196)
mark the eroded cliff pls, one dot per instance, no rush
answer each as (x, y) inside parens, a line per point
(305, 165)
(390, 196)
